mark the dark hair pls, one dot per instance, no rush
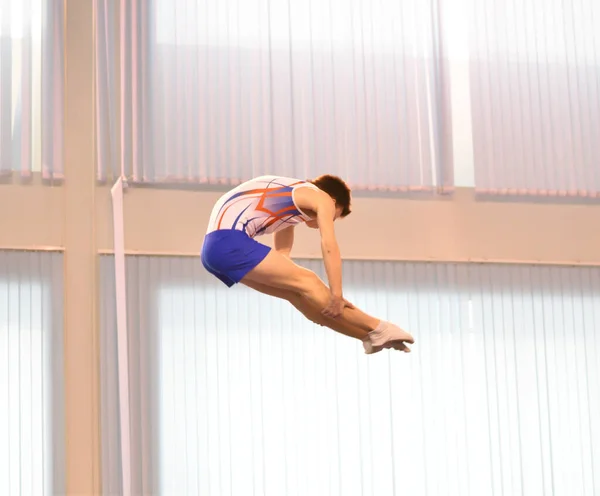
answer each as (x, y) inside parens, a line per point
(337, 189)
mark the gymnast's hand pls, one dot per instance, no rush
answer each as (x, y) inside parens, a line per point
(336, 305)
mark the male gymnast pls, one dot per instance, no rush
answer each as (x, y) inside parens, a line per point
(276, 205)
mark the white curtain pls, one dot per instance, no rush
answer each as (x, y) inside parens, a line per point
(213, 91)
(31, 88)
(535, 96)
(31, 374)
(235, 393)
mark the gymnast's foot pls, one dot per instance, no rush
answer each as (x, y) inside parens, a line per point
(369, 348)
(387, 335)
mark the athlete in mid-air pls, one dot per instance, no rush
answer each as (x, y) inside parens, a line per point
(276, 205)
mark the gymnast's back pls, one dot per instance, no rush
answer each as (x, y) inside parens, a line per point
(262, 205)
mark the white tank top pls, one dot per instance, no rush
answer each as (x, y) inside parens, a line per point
(260, 206)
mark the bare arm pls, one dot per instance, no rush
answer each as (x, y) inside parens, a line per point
(284, 240)
(322, 207)
(330, 248)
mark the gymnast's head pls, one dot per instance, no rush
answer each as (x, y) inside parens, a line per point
(339, 192)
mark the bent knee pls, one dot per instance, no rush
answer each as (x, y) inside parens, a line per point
(306, 281)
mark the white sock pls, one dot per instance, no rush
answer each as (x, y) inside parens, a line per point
(380, 327)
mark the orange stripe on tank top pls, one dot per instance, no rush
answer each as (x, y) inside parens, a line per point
(262, 198)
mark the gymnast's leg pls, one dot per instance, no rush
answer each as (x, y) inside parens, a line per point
(310, 312)
(277, 272)
(313, 314)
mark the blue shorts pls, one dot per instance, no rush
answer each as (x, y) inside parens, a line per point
(229, 254)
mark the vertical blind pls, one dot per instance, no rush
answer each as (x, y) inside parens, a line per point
(221, 91)
(235, 393)
(535, 96)
(142, 281)
(31, 374)
(31, 87)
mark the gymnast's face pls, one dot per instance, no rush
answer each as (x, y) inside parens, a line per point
(313, 224)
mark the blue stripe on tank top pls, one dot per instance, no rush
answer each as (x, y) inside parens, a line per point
(238, 217)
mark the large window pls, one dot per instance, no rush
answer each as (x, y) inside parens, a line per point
(31, 443)
(535, 97)
(238, 394)
(221, 91)
(31, 99)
